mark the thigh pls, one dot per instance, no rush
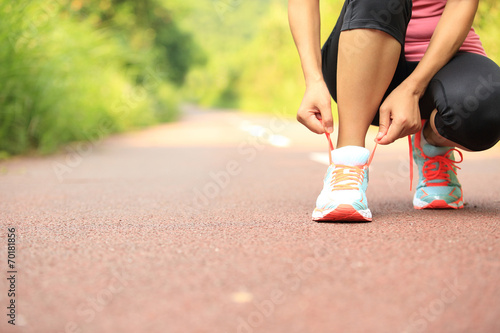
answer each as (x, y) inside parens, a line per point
(466, 94)
(391, 17)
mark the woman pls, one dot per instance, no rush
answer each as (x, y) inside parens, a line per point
(411, 68)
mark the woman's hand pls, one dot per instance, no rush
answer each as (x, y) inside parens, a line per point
(315, 111)
(399, 114)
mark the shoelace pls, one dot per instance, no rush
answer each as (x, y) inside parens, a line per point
(431, 172)
(411, 161)
(330, 149)
(349, 180)
(437, 167)
(353, 177)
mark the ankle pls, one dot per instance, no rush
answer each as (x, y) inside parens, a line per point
(428, 136)
(350, 142)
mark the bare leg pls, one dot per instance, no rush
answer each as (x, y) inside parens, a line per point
(367, 61)
(434, 138)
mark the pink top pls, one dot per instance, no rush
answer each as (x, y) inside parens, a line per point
(424, 19)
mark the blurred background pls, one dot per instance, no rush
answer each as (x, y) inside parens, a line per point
(76, 70)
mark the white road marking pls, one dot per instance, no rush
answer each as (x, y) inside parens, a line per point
(279, 141)
(321, 158)
(265, 134)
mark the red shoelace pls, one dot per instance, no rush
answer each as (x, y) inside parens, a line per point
(436, 167)
(330, 149)
(350, 179)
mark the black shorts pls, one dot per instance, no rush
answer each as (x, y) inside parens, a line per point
(465, 92)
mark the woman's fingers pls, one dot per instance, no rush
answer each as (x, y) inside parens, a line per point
(399, 117)
(309, 118)
(384, 123)
(398, 128)
(394, 132)
(315, 111)
(326, 115)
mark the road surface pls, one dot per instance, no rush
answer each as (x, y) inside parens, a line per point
(205, 226)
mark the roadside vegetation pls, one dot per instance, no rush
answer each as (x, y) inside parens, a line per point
(72, 70)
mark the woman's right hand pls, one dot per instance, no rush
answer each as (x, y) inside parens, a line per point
(315, 111)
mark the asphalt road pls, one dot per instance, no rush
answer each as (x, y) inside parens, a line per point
(205, 226)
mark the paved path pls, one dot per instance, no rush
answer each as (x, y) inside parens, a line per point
(204, 226)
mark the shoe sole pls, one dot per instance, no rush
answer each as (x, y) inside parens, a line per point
(437, 204)
(343, 213)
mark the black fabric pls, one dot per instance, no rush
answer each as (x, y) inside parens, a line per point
(390, 16)
(465, 92)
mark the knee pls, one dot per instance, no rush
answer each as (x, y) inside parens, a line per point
(484, 129)
(476, 128)
(466, 93)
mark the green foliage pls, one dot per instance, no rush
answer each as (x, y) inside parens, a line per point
(271, 78)
(486, 25)
(74, 70)
(145, 26)
(223, 28)
(252, 61)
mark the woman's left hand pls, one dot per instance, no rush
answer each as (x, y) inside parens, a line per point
(399, 115)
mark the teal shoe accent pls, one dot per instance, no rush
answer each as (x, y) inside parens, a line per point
(438, 186)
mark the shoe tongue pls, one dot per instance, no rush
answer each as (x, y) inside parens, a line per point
(433, 151)
(351, 156)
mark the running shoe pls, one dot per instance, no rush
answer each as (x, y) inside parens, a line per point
(438, 186)
(343, 197)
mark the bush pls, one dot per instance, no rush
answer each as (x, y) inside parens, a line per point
(67, 71)
(253, 64)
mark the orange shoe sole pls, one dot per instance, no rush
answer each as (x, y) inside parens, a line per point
(439, 204)
(343, 213)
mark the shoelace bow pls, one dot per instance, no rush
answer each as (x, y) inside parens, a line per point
(354, 175)
(437, 167)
